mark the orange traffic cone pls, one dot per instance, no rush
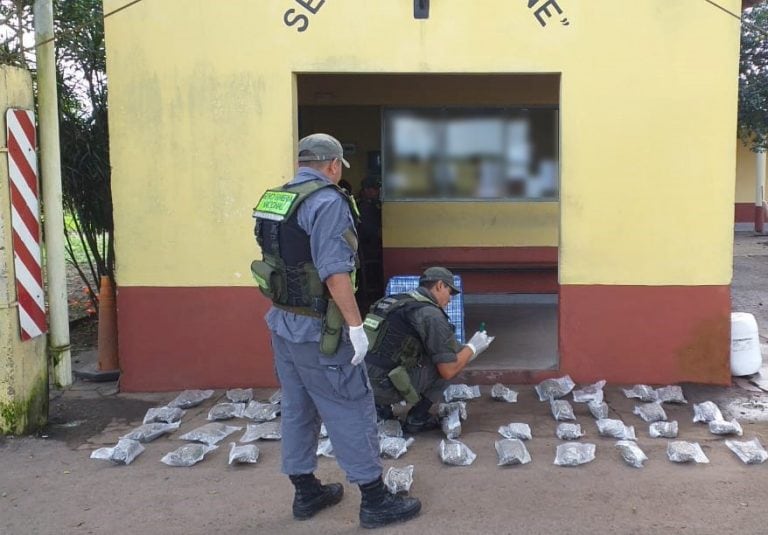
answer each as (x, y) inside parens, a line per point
(107, 327)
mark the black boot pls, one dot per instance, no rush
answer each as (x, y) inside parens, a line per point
(379, 507)
(419, 418)
(312, 497)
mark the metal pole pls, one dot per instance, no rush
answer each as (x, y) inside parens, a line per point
(50, 160)
(760, 192)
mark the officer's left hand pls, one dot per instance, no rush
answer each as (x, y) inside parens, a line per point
(360, 342)
(479, 343)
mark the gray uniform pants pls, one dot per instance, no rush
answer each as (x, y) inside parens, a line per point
(316, 387)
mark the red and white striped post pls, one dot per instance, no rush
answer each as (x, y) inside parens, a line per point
(25, 220)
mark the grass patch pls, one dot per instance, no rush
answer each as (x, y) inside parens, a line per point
(77, 243)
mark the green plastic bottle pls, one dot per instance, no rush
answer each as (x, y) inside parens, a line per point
(482, 326)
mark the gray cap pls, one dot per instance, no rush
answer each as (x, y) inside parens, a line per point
(439, 274)
(320, 148)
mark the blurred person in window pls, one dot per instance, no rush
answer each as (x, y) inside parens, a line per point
(369, 233)
(369, 205)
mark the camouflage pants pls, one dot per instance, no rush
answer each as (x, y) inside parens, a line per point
(425, 379)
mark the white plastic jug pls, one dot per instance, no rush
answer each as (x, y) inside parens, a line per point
(745, 345)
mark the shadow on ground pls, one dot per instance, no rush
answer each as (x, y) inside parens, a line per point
(73, 421)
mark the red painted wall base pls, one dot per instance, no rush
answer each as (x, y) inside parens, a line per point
(482, 269)
(178, 338)
(748, 212)
(213, 337)
(646, 334)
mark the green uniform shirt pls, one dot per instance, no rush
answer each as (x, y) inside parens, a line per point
(435, 331)
(439, 339)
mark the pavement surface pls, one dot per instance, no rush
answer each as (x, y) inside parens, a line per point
(749, 292)
(48, 483)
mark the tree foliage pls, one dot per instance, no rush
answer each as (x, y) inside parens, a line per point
(16, 20)
(82, 98)
(83, 129)
(753, 78)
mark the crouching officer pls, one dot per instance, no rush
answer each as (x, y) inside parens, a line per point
(306, 231)
(413, 351)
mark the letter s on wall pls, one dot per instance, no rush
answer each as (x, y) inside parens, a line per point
(291, 19)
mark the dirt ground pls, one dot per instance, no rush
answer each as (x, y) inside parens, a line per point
(48, 484)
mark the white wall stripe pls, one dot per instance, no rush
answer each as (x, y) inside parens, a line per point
(27, 325)
(26, 236)
(18, 180)
(26, 279)
(21, 139)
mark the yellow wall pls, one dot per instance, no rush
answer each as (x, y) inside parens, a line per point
(203, 120)
(23, 367)
(746, 173)
(470, 224)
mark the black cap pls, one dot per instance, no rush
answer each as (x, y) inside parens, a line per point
(439, 274)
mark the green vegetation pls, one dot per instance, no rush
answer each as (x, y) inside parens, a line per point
(753, 78)
(83, 131)
(28, 416)
(82, 91)
(77, 245)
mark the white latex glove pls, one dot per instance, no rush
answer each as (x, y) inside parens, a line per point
(360, 342)
(479, 343)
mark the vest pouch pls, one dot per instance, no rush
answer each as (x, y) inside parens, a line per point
(333, 322)
(402, 383)
(374, 327)
(410, 352)
(269, 281)
(311, 283)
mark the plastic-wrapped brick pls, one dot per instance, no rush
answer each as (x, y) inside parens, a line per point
(512, 452)
(550, 389)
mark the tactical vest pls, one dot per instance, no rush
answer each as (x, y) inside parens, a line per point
(286, 274)
(392, 340)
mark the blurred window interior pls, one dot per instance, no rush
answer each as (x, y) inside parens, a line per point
(470, 153)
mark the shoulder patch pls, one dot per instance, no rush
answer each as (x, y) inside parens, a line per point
(275, 205)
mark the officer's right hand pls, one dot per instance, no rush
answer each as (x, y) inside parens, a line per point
(359, 342)
(479, 343)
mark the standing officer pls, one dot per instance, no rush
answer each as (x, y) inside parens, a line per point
(414, 352)
(306, 232)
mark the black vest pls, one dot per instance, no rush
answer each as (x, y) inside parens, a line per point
(287, 267)
(397, 342)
